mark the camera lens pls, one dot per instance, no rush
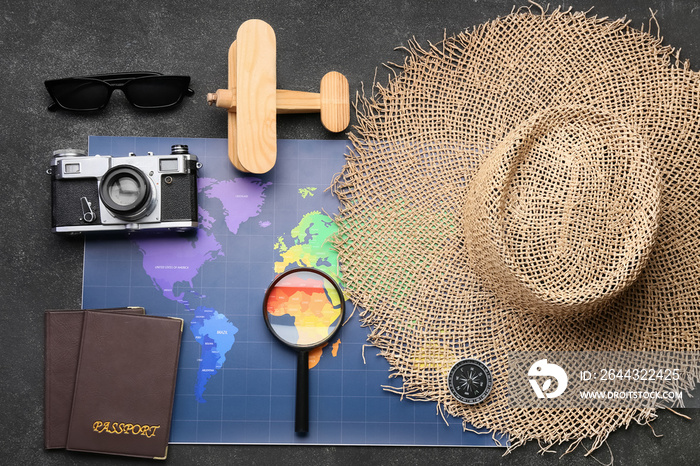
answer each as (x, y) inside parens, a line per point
(124, 191)
(127, 192)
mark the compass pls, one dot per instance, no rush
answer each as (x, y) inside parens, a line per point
(470, 381)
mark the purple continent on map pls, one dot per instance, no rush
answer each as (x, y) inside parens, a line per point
(177, 259)
(172, 261)
(242, 198)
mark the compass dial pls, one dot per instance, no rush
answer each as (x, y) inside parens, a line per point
(470, 381)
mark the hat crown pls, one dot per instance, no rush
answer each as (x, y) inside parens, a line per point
(562, 215)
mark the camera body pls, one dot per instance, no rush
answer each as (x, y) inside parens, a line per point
(105, 193)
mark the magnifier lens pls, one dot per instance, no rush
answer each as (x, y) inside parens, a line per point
(304, 308)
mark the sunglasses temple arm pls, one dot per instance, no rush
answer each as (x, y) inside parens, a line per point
(123, 76)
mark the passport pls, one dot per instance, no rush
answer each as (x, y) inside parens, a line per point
(125, 384)
(62, 333)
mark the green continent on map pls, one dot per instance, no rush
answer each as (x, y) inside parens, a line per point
(306, 192)
(312, 246)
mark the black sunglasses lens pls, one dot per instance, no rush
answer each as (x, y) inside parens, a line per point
(79, 94)
(156, 91)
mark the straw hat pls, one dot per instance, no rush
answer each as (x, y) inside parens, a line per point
(532, 185)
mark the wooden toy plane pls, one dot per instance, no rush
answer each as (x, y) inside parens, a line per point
(253, 100)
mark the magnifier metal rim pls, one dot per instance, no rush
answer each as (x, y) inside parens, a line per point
(323, 275)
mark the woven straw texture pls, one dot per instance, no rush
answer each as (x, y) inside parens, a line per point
(529, 185)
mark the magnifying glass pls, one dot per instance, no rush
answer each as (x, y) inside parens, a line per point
(304, 309)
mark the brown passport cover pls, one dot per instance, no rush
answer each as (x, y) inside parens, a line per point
(62, 332)
(125, 385)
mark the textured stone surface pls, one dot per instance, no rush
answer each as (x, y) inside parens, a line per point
(43, 40)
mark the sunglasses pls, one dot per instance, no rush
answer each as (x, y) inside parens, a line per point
(146, 89)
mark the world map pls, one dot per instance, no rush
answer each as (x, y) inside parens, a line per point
(236, 382)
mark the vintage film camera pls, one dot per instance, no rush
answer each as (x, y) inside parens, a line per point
(104, 193)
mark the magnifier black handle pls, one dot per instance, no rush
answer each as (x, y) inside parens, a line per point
(301, 419)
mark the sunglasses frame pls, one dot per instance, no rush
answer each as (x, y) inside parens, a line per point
(115, 81)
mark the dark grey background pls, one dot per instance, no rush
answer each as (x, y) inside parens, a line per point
(50, 39)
